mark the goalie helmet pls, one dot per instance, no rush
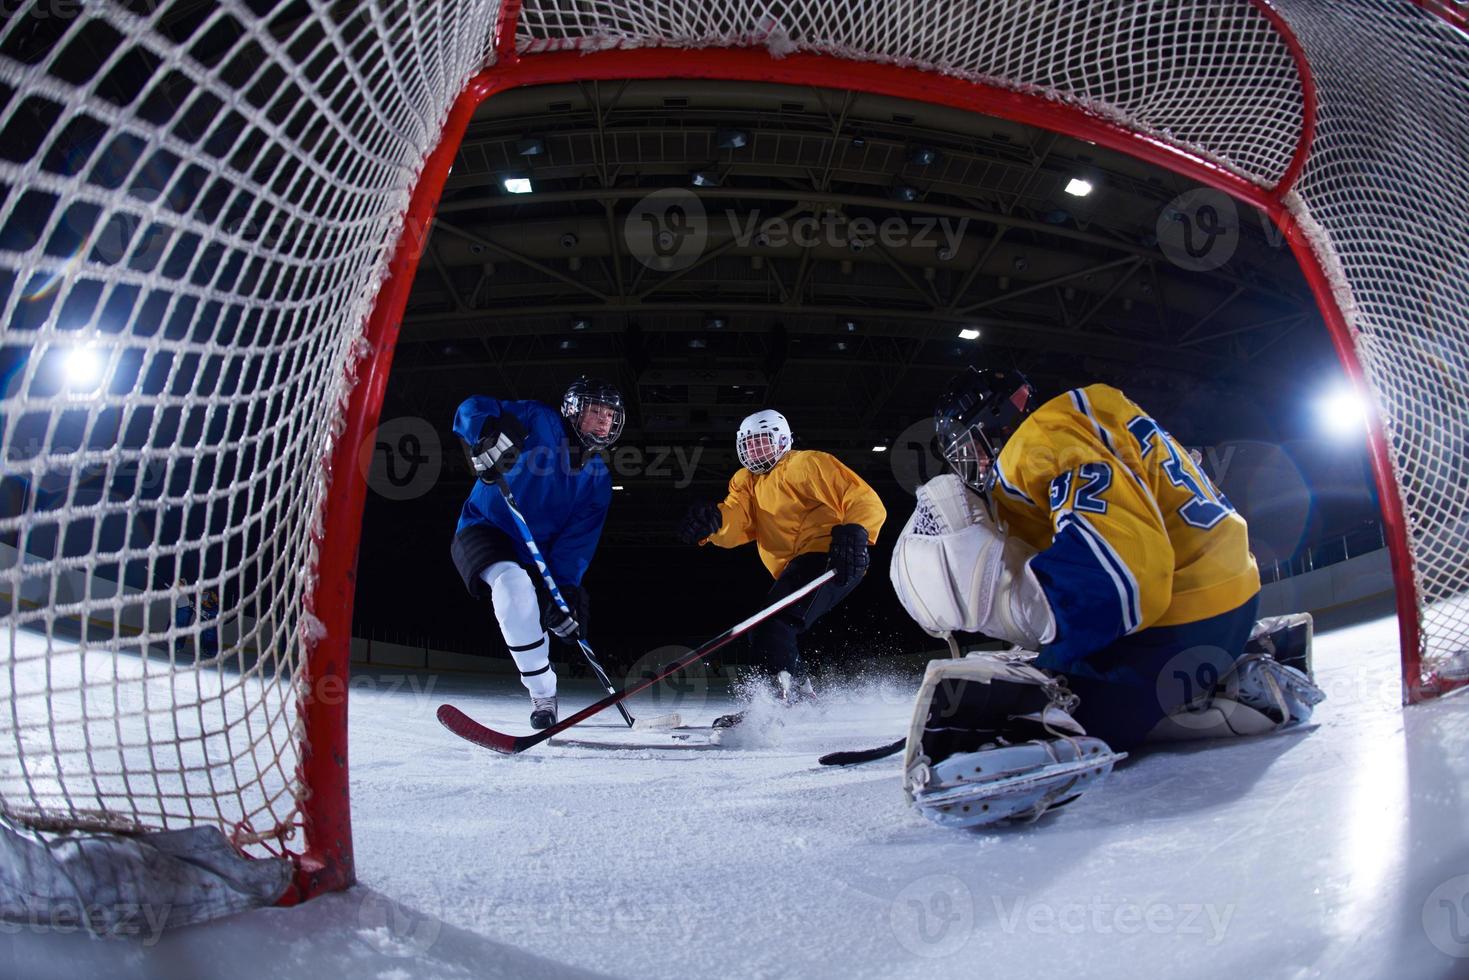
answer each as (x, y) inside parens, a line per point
(974, 417)
(763, 440)
(594, 409)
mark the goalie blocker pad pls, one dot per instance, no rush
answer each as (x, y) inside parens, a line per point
(992, 739)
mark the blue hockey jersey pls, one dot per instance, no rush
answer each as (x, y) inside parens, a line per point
(564, 508)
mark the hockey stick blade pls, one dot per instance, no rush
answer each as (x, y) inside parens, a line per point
(674, 720)
(467, 728)
(859, 756)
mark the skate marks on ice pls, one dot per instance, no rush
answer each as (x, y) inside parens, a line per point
(622, 738)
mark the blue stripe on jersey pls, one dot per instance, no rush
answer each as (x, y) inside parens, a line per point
(1132, 612)
(1084, 406)
(1086, 592)
(1009, 487)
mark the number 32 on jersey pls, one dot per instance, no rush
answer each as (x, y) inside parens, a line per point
(1203, 508)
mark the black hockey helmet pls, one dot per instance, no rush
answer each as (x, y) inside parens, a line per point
(587, 393)
(974, 417)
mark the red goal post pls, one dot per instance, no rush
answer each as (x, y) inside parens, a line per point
(1281, 105)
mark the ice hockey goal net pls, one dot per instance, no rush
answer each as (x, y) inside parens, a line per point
(212, 215)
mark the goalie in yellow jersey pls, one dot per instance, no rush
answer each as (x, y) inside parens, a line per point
(1083, 534)
(806, 512)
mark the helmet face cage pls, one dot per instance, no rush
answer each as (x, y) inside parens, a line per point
(763, 439)
(586, 393)
(969, 453)
(974, 418)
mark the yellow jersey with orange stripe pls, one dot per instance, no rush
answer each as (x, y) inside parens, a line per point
(1131, 532)
(791, 509)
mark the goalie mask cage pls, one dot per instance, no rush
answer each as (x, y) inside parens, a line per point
(212, 215)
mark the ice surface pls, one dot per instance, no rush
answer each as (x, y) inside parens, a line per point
(1341, 851)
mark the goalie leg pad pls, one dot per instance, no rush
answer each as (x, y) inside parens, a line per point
(1259, 696)
(992, 739)
(1016, 782)
(1286, 638)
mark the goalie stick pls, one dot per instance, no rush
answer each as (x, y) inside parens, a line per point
(545, 570)
(467, 728)
(858, 756)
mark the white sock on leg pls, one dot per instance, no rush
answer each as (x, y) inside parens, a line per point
(519, 614)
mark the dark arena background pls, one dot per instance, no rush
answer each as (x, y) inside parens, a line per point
(826, 250)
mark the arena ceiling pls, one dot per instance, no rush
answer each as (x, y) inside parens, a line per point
(895, 226)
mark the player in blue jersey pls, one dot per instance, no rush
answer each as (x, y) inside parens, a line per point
(551, 462)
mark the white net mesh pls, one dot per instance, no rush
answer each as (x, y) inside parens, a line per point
(1197, 73)
(199, 204)
(1385, 181)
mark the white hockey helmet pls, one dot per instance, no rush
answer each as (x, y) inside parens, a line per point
(762, 440)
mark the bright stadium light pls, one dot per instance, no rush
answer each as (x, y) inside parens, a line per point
(516, 185)
(1342, 412)
(83, 367)
(1077, 187)
(969, 333)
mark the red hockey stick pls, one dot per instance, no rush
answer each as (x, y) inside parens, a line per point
(467, 728)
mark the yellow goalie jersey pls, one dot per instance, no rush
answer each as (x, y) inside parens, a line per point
(1131, 533)
(791, 510)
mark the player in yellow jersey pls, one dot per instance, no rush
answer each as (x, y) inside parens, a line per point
(1079, 530)
(806, 512)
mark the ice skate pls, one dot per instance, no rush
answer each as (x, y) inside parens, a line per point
(543, 712)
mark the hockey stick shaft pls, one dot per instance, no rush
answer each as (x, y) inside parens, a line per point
(465, 727)
(560, 600)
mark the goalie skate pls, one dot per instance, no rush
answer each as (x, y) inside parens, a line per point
(1015, 782)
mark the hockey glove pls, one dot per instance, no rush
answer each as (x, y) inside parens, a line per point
(701, 521)
(558, 621)
(848, 554)
(500, 442)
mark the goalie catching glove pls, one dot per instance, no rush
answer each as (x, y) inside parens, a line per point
(955, 569)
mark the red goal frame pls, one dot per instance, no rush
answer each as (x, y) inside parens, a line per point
(326, 863)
